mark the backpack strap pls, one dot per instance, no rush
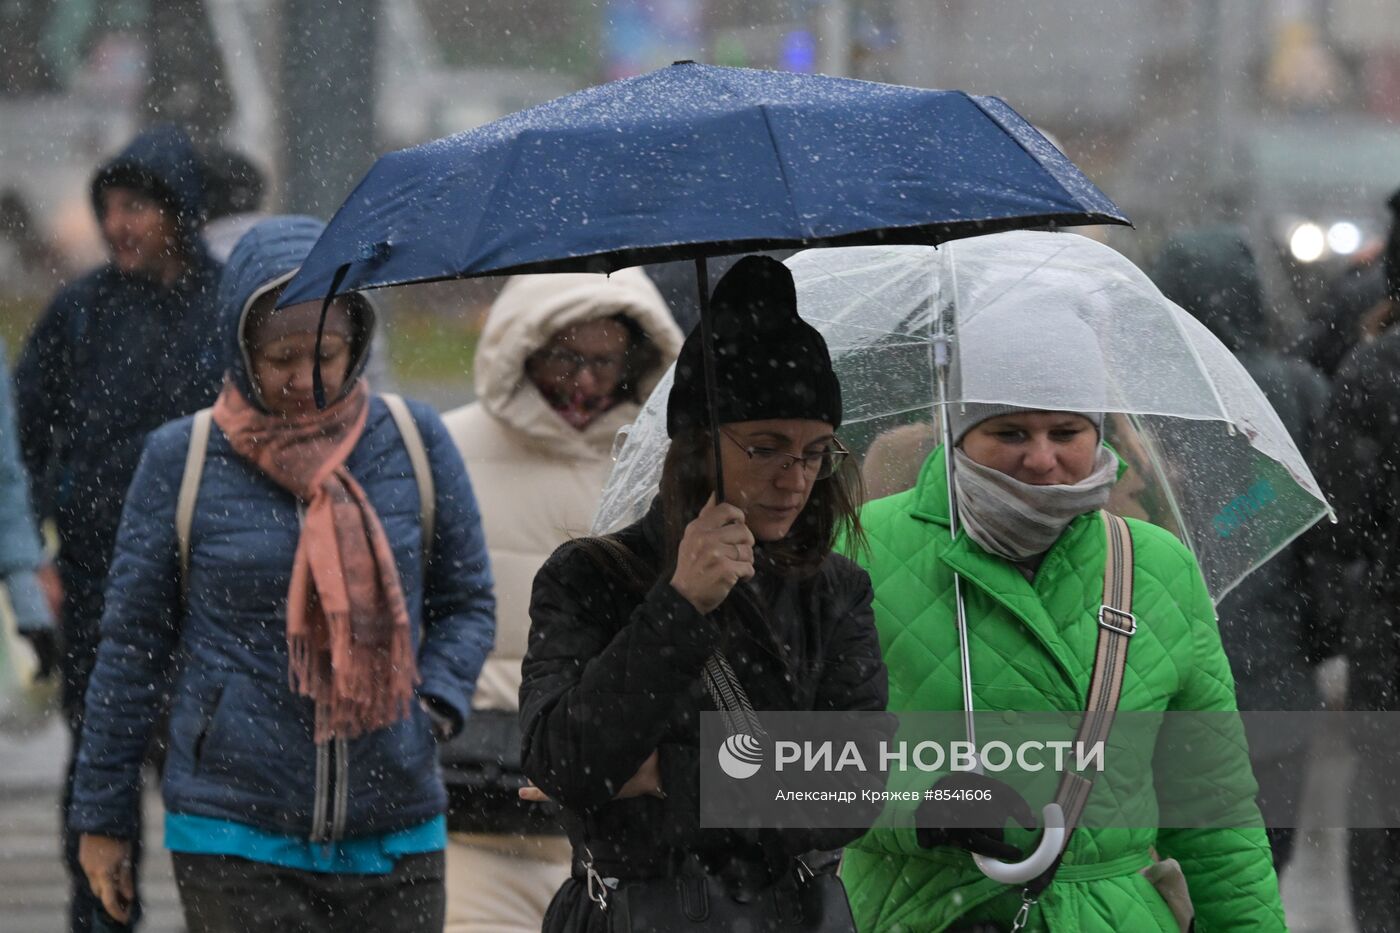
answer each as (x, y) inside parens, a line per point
(422, 470)
(189, 490)
(1117, 626)
(194, 471)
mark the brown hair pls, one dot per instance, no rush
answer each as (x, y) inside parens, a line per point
(832, 512)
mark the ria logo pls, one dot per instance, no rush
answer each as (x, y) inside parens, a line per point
(740, 756)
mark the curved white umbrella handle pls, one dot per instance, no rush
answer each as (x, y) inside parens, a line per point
(1051, 842)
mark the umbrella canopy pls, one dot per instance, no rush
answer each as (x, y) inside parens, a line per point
(1207, 456)
(692, 161)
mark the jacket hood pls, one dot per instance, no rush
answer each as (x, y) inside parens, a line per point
(266, 258)
(1211, 273)
(163, 162)
(533, 308)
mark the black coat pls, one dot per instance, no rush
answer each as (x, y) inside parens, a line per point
(612, 675)
(114, 357)
(1359, 468)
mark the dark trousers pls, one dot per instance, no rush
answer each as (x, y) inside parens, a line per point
(224, 894)
(1280, 797)
(1374, 854)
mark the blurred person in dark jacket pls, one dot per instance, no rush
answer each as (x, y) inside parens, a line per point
(1359, 467)
(233, 193)
(1363, 301)
(1272, 629)
(118, 352)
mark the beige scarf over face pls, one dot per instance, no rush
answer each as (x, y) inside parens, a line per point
(1017, 520)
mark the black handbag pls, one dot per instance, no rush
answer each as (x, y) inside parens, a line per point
(802, 900)
(805, 899)
(482, 771)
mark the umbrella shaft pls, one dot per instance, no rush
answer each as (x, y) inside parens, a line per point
(707, 346)
(941, 363)
(965, 659)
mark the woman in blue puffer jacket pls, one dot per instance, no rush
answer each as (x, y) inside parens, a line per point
(323, 635)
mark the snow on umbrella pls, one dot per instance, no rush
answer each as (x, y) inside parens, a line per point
(1206, 455)
(692, 161)
(697, 160)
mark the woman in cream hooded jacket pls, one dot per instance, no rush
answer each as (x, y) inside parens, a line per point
(538, 479)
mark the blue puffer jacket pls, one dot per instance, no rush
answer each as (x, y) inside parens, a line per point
(241, 743)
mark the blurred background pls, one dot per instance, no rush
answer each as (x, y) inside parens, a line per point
(1278, 114)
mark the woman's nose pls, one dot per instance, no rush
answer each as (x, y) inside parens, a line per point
(300, 379)
(585, 381)
(793, 477)
(1040, 457)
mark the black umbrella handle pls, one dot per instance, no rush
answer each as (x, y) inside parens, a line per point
(318, 385)
(707, 353)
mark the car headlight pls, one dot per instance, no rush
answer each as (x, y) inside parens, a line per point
(1307, 242)
(1344, 238)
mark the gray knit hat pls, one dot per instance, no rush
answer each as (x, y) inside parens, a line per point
(1054, 366)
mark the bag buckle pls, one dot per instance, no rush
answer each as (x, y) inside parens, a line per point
(1118, 620)
(1023, 915)
(598, 886)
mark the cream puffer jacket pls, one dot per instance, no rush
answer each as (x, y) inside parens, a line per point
(538, 479)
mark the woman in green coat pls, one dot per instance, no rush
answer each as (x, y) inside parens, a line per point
(1031, 554)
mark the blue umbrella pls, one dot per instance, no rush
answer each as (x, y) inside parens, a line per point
(692, 161)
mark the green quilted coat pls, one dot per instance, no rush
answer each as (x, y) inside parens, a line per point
(1032, 648)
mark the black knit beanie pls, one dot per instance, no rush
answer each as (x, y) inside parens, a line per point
(769, 363)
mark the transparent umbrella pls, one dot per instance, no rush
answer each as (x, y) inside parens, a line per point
(1206, 455)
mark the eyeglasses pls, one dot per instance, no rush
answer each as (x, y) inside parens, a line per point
(819, 465)
(568, 362)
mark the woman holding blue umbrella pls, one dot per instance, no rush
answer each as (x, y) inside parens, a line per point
(700, 602)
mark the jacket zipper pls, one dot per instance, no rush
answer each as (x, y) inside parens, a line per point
(332, 802)
(322, 793)
(342, 788)
(332, 790)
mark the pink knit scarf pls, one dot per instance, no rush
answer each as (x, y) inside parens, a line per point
(348, 631)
